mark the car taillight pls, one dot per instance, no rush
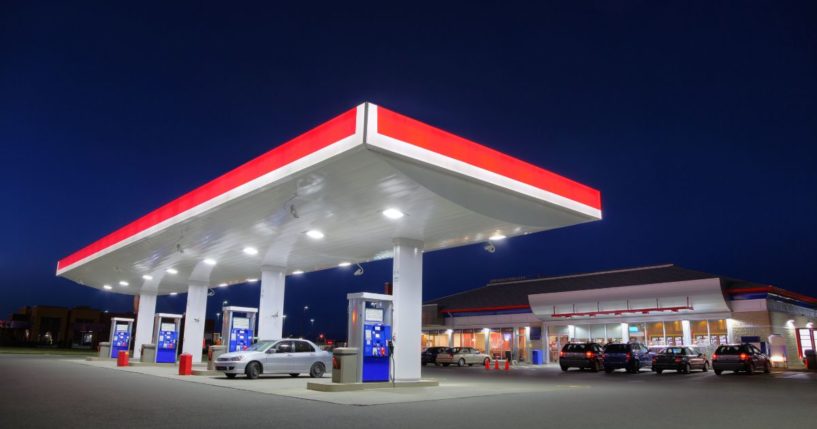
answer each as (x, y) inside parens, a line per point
(677, 360)
(744, 356)
(714, 356)
(561, 354)
(590, 355)
(628, 356)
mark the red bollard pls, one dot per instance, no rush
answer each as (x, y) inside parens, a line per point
(496, 364)
(186, 364)
(488, 364)
(507, 365)
(122, 358)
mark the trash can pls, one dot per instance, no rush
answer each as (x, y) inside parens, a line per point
(811, 360)
(344, 365)
(537, 357)
(122, 358)
(186, 364)
(105, 350)
(212, 354)
(148, 353)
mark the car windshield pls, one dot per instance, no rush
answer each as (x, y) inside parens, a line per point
(576, 347)
(616, 348)
(728, 350)
(454, 350)
(673, 351)
(259, 346)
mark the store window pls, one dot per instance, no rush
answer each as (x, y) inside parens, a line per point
(700, 332)
(522, 345)
(717, 332)
(805, 340)
(655, 332)
(674, 333)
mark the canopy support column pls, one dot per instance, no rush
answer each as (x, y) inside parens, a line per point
(271, 303)
(144, 323)
(408, 308)
(194, 317)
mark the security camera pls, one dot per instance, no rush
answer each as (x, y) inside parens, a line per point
(489, 247)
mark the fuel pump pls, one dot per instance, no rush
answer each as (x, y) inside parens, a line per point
(166, 336)
(370, 330)
(121, 329)
(238, 327)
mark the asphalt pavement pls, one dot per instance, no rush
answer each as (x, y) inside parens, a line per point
(42, 391)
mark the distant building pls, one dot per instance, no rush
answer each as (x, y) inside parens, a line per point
(52, 326)
(658, 305)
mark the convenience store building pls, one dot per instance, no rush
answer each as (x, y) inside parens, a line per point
(656, 305)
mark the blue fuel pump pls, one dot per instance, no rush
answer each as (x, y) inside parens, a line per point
(239, 327)
(120, 335)
(370, 329)
(166, 337)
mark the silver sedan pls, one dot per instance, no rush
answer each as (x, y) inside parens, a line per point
(292, 357)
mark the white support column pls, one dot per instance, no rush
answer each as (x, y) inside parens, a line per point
(271, 303)
(407, 281)
(194, 317)
(545, 342)
(144, 323)
(687, 332)
(625, 333)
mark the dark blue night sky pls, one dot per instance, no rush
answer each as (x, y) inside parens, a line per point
(697, 121)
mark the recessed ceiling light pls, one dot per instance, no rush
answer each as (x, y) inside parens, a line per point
(393, 213)
(314, 233)
(250, 251)
(171, 271)
(496, 237)
(123, 283)
(173, 293)
(209, 261)
(344, 264)
(147, 277)
(222, 284)
(107, 287)
(252, 280)
(297, 272)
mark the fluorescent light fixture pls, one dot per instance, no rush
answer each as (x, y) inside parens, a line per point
(496, 237)
(107, 287)
(209, 261)
(173, 293)
(393, 213)
(171, 271)
(123, 283)
(251, 280)
(222, 284)
(147, 277)
(344, 264)
(314, 233)
(297, 272)
(250, 251)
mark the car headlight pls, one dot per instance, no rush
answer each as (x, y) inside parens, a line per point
(236, 358)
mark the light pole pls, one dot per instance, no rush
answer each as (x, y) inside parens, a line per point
(303, 321)
(311, 325)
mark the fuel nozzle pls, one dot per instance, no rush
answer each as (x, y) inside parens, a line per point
(390, 344)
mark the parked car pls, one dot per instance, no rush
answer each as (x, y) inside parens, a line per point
(582, 355)
(287, 356)
(631, 357)
(462, 356)
(681, 359)
(740, 357)
(429, 355)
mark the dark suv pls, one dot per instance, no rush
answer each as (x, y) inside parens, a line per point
(429, 355)
(740, 357)
(587, 355)
(632, 357)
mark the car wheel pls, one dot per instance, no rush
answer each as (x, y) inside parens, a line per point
(564, 368)
(461, 362)
(636, 367)
(718, 372)
(706, 367)
(687, 368)
(750, 369)
(767, 368)
(608, 370)
(317, 370)
(596, 367)
(294, 374)
(659, 371)
(252, 371)
(230, 375)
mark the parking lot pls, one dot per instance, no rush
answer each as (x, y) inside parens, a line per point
(41, 391)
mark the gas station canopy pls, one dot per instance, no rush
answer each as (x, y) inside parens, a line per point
(337, 194)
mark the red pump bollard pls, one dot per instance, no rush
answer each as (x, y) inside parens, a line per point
(122, 358)
(186, 364)
(507, 365)
(488, 364)
(496, 364)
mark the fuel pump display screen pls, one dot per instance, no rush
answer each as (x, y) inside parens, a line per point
(374, 315)
(241, 323)
(121, 327)
(168, 327)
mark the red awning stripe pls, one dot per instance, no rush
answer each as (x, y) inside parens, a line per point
(485, 309)
(319, 137)
(403, 128)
